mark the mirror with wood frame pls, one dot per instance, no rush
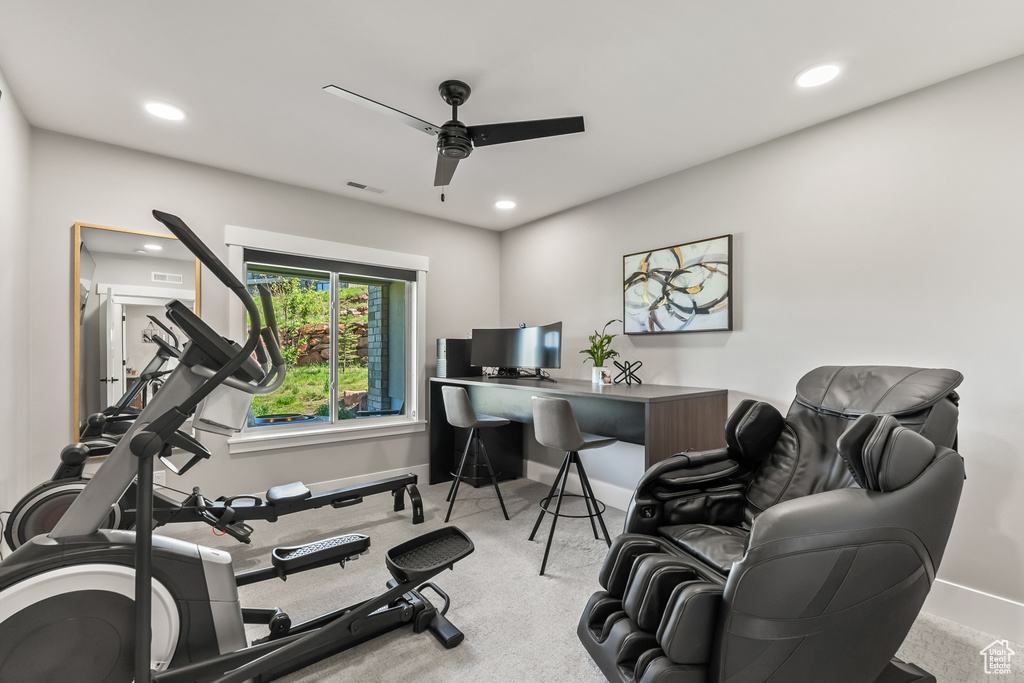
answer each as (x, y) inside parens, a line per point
(122, 341)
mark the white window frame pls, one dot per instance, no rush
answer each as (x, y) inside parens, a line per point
(248, 440)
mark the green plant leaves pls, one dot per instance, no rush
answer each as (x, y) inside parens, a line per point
(601, 345)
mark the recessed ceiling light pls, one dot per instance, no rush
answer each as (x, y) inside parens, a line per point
(154, 247)
(505, 204)
(817, 75)
(140, 251)
(165, 111)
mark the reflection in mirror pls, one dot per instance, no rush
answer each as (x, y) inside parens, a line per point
(122, 338)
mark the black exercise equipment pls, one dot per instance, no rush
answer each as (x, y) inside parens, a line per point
(90, 604)
(802, 551)
(39, 510)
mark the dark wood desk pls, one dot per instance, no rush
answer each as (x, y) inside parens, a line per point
(663, 419)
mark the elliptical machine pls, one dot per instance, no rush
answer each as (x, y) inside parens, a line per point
(89, 604)
(39, 510)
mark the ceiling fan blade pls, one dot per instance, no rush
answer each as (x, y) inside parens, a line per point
(445, 170)
(497, 133)
(407, 119)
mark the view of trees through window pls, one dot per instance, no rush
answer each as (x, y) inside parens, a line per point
(302, 302)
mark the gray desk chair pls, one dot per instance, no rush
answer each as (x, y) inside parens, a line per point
(460, 413)
(555, 427)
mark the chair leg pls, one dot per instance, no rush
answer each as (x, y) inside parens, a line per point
(458, 477)
(462, 463)
(490, 470)
(554, 517)
(591, 510)
(551, 494)
(589, 491)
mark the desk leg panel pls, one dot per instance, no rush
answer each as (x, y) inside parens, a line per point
(693, 423)
(442, 438)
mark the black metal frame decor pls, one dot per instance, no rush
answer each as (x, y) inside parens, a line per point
(683, 288)
(627, 372)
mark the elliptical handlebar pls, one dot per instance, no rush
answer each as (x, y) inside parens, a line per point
(217, 267)
(152, 439)
(174, 337)
(269, 317)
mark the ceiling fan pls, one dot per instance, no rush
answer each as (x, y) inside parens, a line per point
(455, 140)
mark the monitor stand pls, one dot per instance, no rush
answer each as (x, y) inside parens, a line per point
(520, 373)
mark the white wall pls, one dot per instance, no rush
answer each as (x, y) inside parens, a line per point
(79, 180)
(14, 311)
(889, 236)
(130, 269)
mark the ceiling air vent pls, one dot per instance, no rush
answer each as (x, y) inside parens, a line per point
(168, 278)
(360, 186)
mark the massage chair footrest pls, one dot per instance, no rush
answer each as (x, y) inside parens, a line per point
(624, 653)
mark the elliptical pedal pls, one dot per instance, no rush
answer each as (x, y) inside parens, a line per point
(320, 553)
(419, 559)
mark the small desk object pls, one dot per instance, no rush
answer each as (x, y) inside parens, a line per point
(663, 419)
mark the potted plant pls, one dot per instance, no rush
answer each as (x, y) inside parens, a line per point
(599, 351)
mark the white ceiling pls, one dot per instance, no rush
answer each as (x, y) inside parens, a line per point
(107, 241)
(663, 84)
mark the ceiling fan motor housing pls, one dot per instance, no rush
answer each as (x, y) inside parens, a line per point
(454, 141)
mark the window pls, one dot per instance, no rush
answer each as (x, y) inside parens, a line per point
(350, 335)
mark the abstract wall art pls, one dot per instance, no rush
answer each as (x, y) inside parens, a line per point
(685, 288)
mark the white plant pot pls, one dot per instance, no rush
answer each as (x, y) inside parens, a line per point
(600, 375)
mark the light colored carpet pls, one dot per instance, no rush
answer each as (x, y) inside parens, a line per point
(519, 626)
(952, 652)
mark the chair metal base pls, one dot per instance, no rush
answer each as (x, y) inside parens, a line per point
(460, 475)
(595, 508)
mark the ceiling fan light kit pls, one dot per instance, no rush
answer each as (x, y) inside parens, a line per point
(455, 140)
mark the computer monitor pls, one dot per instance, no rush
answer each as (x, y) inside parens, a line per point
(512, 349)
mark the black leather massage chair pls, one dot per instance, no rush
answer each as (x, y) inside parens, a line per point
(803, 551)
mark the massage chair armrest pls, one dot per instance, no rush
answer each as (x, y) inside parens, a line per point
(687, 629)
(696, 468)
(715, 501)
(695, 459)
(751, 432)
(683, 471)
(680, 476)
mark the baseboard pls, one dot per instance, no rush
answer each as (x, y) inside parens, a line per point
(610, 494)
(1001, 617)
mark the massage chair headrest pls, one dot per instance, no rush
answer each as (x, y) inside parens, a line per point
(881, 389)
(751, 430)
(882, 455)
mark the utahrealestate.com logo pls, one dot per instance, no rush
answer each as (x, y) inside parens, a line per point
(997, 657)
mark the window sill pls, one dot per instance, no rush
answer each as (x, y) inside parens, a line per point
(268, 439)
